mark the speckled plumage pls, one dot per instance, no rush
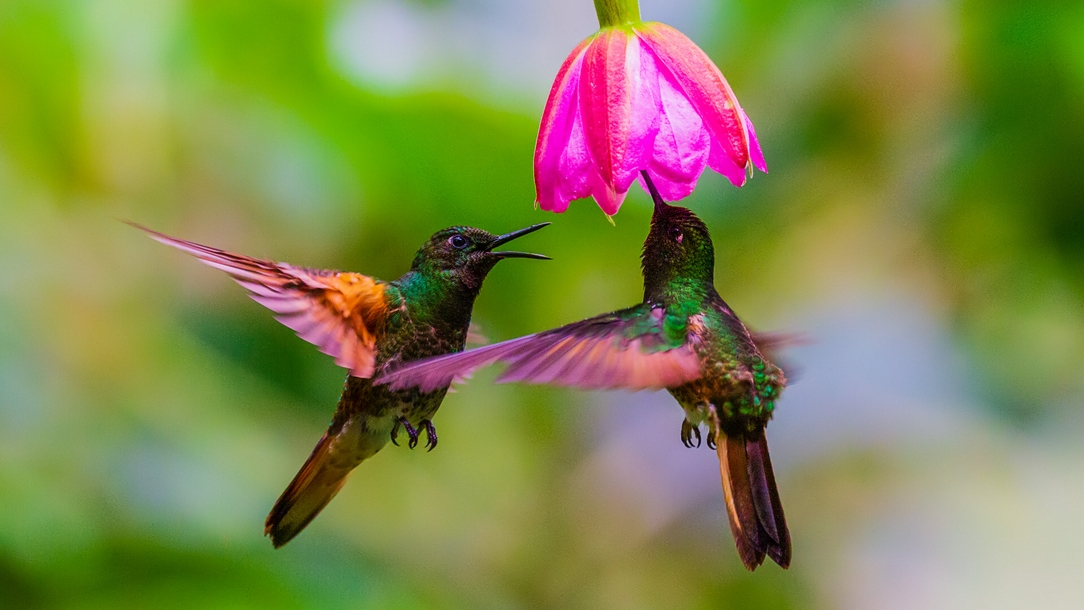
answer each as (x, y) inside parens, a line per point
(367, 325)
(735, 377)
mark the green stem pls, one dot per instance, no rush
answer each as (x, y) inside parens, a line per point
(617, 12)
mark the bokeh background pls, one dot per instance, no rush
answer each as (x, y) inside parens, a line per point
(923, 224)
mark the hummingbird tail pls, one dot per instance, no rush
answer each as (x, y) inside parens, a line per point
(752, 499)
(312, 488)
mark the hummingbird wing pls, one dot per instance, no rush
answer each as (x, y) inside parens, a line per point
(475, 336)
(338, 312)
(642, 347)
(772, 346)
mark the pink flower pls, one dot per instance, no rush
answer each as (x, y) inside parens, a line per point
(639, 96)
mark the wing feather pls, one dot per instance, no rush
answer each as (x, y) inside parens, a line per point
(596, 353)
(338, 312)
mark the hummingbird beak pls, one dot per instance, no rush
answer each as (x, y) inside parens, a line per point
(507, 237)
(655, 196)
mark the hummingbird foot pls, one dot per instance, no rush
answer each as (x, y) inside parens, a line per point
(713, 427)
(430, 434)
(411, 431)
(688, 431)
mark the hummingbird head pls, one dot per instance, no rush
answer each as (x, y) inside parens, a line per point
(678, 249)
(464, 255)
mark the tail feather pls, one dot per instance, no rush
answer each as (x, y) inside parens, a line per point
(740, 503)
(752, 499)
(770, 513)
(312, 488)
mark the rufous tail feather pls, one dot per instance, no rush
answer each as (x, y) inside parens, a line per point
(752, 499)
(312, 488)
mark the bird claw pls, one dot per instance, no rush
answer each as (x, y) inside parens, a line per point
(415, 433)
(411, 431)
(688, 431)
(711, 442)
(430, 434)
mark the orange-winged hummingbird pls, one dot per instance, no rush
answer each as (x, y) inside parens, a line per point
(367, 325)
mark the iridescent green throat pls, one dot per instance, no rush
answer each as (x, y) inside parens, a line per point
(678, 258)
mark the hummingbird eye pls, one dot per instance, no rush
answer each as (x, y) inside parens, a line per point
(458, 241)
(675, 234)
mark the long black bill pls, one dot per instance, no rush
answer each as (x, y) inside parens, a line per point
(655, 196)
(507, 237)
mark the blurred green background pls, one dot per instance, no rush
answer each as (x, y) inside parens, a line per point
(923, 223)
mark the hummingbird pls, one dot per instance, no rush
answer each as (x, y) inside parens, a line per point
(367, 325)
(683, 337)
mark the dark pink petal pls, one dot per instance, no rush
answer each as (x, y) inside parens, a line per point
(604, 100)
(704, 86)
(576, 174)
(643, 114)
(606, 197)
(671, 190)
(754, 146)
(555, 129)
(620, 108)
(720, 161)
(682, 144)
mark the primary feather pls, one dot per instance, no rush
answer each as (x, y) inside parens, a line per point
(625, 349)
(338, 312)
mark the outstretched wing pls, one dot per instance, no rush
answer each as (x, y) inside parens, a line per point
(637, 348)
(475, 336)
(340, 313)
(772, 346)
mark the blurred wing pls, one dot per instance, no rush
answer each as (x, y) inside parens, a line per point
(337, 312)
(475, 336)
(772, 343)
(625, 349)
(772, 346)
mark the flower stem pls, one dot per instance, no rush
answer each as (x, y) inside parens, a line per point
(617, 12)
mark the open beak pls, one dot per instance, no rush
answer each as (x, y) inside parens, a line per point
(507, 237)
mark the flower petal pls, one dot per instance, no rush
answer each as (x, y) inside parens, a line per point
(682, 144)
(556, 128)
(704, 86)
(720, 161)
(620, 105)
(754, 146)
(644, 114)
(608, 198)
(575, 175)
(604, 99)
(671, 190)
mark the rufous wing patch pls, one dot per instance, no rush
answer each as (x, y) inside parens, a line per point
(338, 312)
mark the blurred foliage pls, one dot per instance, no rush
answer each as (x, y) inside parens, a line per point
(924, 157)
